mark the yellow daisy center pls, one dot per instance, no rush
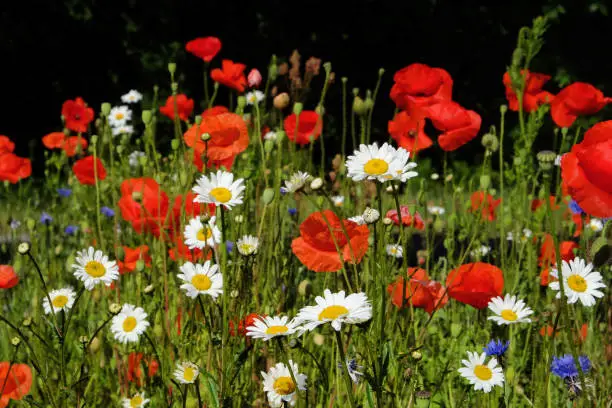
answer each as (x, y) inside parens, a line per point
(246, 248)
(376, 167)
(129, 324)
(284, 386)
(277, 330)
(59, 301)
(482, 372)
(333, 312)
(189, 374)
(577, 283)
(119, 116)
(95, 269)
(201, 282)
(136, 401)
(221, 194)
(509, 315)
(204, 234)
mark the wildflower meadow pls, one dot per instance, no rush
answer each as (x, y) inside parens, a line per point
(251, 250)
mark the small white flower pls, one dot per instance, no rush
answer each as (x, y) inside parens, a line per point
(596, 225)
(338, 200)
(482, 376)
(336, 308)
(220, 189)
(138, 400)
(579, 282)
(395, 250)
(316, 184)
(508, 310)
(129, 324)
(197, 235)
(296, 182)
(435, 176)
(358, 219)
(268, 327)
(119, 116)
(271, 135)
(254, 97)
(370, 215)
(61, 299)
(526, 234)
(558, 160)
(383, 164)
(279, 386)
(123, 130)
(247, 245)
(201, 279)
(481, 251)
(131, 97)
(436, 210)
(186, 372)
(133, 158)
(93, 267)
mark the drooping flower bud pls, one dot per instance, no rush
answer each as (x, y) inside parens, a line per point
(281, 101)
(254, 78)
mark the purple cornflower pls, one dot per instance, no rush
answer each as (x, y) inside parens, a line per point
(45, 218)
(292, 211)
(575, 208)
(229, 245)
(64, 192)
(109, 212)
(71, 230)
(565, 366)
(496, 348)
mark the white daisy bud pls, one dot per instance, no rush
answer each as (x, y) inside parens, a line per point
(316, 184)
(370, 215)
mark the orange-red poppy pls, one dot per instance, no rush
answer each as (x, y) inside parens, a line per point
(184, 205)
(230, 75)
(204, 48)
(86, 173)
(538, 203)
(408, 130)
(8, 277)
(309, 127)
(184, 107)
(182, 253)
(54, 140)
(475, 284)
(548, 254)
(77, 115)
(577, 99)
(143, 204)
(131, 258)
(14, 168)
(533, 95)
(484, 202)
(15, 382)
(72, 143)
(420, 291)
(457, 124)
(419, 85)
(6, 145)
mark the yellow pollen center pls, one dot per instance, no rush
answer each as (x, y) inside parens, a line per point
(483, 372)
(333, 312)
(136, 401)
(59, 301)
(189, 374)
(376, 167)
(246, 248)
(284, 386)
(119, 116)
(277, 330)
(95, 269)
(204, 234)
(129, 324)
(509, 315)
(201, 282)
(221, 194)
(577, 283)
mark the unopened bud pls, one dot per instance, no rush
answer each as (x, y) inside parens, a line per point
(305, 288)
(267, 196)
(242, 101)
(254, 78)
(172, 68)
(15, 341)
(24, 248)
(149, 289)
(359, 106)
(27, 322)
(387, 221)
(146, 116)
(316, 184)
(205, 137)
(114, 308)
(281, 101)
(105, 108)
(297, 108)
(370, 215)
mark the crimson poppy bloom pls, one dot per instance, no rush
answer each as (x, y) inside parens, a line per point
(54, 140)
(71, 144)
(14, 168)
(184, 107)
(457, 124)
(8, 277)
(548, 255)
(86, 173)
(182, 253)
(538, 203)
(587, 170)
(204, 48)
(143, 204)
(546, 277)
(577, 99)
(6, 145)
(409, 132)
(475, 284)
(316, 249)
(407, 218)
(16, 382)
(309, 126)
(230, 75)
(484, 203)
(77, 115)
(419, 85)
(533, 96)
(132, 256)
(214, 111)
(420, 291)
(249, 320)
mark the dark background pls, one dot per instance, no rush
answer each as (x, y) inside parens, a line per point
(57, 50)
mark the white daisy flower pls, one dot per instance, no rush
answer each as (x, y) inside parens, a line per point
(201, 279)
(596, 225)
(254, 97)
(197, 235)
(271, 135)
(579, 282)
(269, 327)
(482, 376)
(295, 182)
(509, 310)
(123, 130)
(338, 200)
(220, 189)
(370, 215)
(337, 309)
(403, 167)
(395, 250)
(358, 219)
(134, 158)
(186, 372)
(279, 385)
(93, 267)
(247, 245)
(138, 400)
(558, 160)
(61, 299)
(119, 116)
(436, 210)
(383, 164)
(131, 97)
(129, 324)
(480, 251)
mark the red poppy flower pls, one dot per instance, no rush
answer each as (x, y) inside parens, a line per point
(8, 277)
(407, 218)
(457, 124)
(184, 107)
(143, 204)
(205, 48)
(71, 143)
(153, 368)
(54, 140)
(578, 222)
(309, 126)
(485, 203)
(6, 146)
(14, 168)
(409, 132)
(548, 254)
(533, 96)
(475, 284)
(316, 249)
(214, 111)
(546, 277)
(184, 205)
(84, 170)
(537, 203)
(547, 331)
(419, 85)
(249, 320)
(587, 171)
(228, 137)
(230, 75)
(134, 372)
(577, 99)
(77, 115)
(420, 291)
(132, 256)
(182, 253)
(16, 382)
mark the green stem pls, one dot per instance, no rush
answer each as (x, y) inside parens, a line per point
(347, 377)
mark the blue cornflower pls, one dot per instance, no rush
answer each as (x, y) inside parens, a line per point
(575, 208)
(45, 218)
(64, 192)
(565, 367)
(71, 229)
(496, 348)
(229, 245)
(352, 367)
(109, 212)
(292, 211)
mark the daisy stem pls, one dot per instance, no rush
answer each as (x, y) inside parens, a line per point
(97, 183)
(197, 387)
(33, 357)
(98, 331)
(347, 377)
(185, 393)
(42, 279)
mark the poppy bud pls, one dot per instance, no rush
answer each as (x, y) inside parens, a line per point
(174, 87)
(305, 288)
(280, 135)
(503, 109)
(355, 91)
(268, 145)
(120, 253)
(242, 102)
(114, 308)
(27, 322)
(438, 225)
(95, 345)
(601, 251)
(319, 339)
(297, 108)
(422, 399)
(105, 109)
(272, 72)
(281, 101)
(485, 181)
(320, 110)
(564, 132)
(24, 248)
(546, 159)
(198, 119)
(254, 78)
(93, 139)
(359, 106)
(369, 102)
(267, 196)
(316, 184)
(490, 142)
(146, 116)
(456, 329)
(172, 68)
